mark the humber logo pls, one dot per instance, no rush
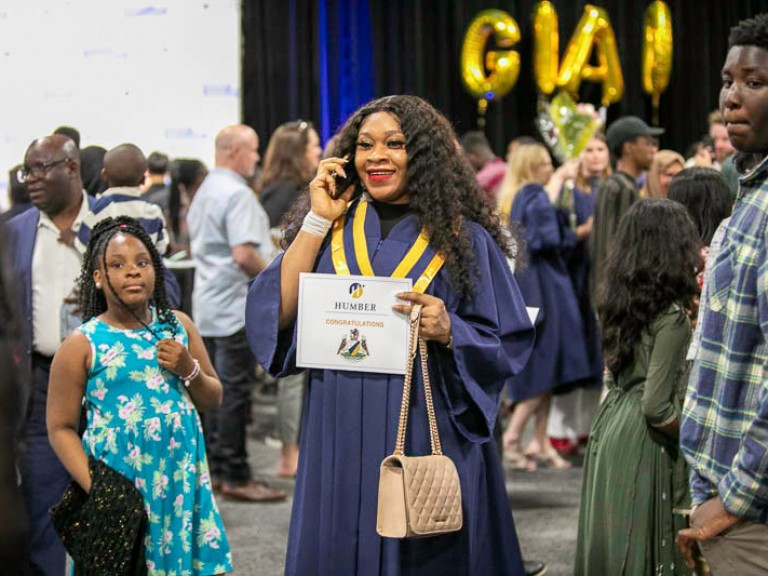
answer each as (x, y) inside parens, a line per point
(356, 290)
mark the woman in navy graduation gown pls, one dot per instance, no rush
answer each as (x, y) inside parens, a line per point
(559, 356)
(398, 175)
(574, 405)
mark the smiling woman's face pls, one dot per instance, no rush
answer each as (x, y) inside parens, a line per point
(381, 160)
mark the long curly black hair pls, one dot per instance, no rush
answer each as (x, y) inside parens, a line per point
(442, 185)
(92, 300)
(652, 263)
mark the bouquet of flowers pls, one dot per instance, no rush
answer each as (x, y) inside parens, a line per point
(567, 126)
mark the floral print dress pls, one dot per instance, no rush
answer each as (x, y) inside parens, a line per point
(142, 423)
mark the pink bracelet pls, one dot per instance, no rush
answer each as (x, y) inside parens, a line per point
(192, 375)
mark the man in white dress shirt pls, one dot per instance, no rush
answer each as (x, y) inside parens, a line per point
(229, 234)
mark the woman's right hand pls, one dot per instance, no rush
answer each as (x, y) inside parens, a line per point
(323, 192)
(570, 169)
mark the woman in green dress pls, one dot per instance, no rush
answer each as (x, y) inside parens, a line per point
(634, 474)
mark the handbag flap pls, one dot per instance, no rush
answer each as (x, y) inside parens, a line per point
(433, 494)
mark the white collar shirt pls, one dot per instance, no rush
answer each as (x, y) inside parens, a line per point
(55, 270)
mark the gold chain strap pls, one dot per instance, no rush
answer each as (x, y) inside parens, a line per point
(414, 344)
(434, 435)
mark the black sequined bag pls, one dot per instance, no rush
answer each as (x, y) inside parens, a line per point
(103, 531)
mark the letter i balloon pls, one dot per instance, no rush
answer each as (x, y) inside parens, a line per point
(657, 52)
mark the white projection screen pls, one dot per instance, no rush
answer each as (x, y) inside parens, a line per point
(162, 74)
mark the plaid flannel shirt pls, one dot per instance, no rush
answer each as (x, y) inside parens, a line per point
(724, 428)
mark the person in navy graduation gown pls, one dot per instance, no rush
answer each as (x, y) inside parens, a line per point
(574, 405)
(398, 173)
(559, 356)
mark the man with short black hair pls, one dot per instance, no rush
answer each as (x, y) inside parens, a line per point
(631, 143)
(724, 425)
(124, 168)
(158, 191)
(70, 132)
(490, 169)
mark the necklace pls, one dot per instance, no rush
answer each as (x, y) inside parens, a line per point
(144, 325)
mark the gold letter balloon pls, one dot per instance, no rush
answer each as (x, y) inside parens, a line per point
(657, 52)
(594, 30)
(491, 73)
(502, 66)
(546, 46)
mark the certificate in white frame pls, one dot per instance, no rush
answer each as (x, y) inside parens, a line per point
(347, 323)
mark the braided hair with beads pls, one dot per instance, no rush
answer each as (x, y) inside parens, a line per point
(92, 300)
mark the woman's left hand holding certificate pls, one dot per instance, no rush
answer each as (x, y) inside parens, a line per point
(435, 321)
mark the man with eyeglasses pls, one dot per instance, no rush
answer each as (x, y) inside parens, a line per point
(46, 266)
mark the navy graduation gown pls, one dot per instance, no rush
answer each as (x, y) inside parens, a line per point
(559, 356)
(350, 421)
(578, 263)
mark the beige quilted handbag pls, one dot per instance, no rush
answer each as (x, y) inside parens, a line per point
(418, 495)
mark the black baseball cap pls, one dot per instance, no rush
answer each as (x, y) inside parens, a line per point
(628, 128)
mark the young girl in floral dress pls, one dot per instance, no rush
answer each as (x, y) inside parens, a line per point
(144, 372)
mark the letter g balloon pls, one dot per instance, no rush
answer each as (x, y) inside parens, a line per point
(490, 75)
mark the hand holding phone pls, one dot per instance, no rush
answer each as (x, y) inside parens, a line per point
(344, 180)
(329, 190)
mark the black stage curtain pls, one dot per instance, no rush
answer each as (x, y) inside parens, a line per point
(416, 50)
(280, 68)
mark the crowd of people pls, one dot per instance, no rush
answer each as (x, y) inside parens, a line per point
(618, 300)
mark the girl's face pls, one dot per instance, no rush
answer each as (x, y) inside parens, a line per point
(381, 160)
(313, 152)
(666, 175)
(595, 157)
(130, 270)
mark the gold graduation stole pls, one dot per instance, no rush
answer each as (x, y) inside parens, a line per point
(339, 257)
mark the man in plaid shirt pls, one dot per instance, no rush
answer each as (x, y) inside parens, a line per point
(724, 429)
